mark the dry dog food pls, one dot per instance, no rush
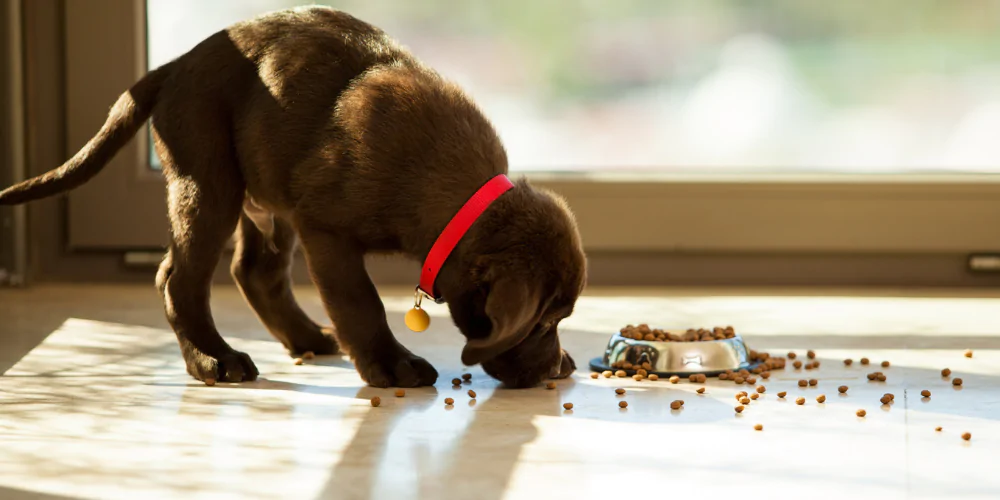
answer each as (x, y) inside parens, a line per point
(642, 372)
(675, 405)
(568, 406)
(800, 401)
(810, 354)
(449, 401)
(885, 400)
(765, 375)
(880, 376)
(456, 381)
(739, 409)
(791, 355)
(885, 364)
(739, 380)
(209, 382)
(821, 398)
(754, 396)
(946, 372)
(621, 374)
(400, 393)
(842, 389)
(745, 400)
(813, 382)
(740, 395)
(376, 401)
(925, 393)
(298, 361)
(550, 385)
(701, 390)
(752, 380)
(594, 375)
(638, 378)
(624, 404)
(966, 436)
(607, 373)
(860, 413)
(619, 391)
(782, 394)
(890, 395)
(674, 379)
(956, 381)
(654, 377)
(864, 361)
(797, 364)
(803, 383)
(758, 427)
(308, 355)
(761, 389)
(723, 376)
(472, 394)
(968, 353)
(466, 376)
(644, 332)
(848, 362)
(938, 429)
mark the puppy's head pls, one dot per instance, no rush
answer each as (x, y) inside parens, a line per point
(524, 269)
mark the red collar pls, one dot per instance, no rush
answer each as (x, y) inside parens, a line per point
(457, 228)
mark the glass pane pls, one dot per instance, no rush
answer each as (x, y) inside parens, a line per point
(892, 86)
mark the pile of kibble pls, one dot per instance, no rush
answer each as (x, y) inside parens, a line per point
(644, 332)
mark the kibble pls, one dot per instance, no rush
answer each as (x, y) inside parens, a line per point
(752, 380)
(966, 436)
(701, 390)
(619, 391)
(308, 355)
(925, 393)
(472, 394)
(956, 381)
(848, 362)
(811, 354)
(800, 401)
(568, 406)
(803, 383)
(621, 374)
(782, 394)
(739, 409)
(740, 395)
(745, 400)
(797, 364)
(456, 381)
(821, 398)
(654, 377)
(754, 396)
(674, 379)
(298, 361)
(739, 380)
(813, 382)
(376, 401)
(842, 389)
(860, 413)
(642, 372)
(885, 364)
(675, 405)
(550, 385)
(607, 373)
(872, 376)
(946, 372)
(210, 382)
(761, 389)
(765, 375)
(723, 376)
(885, 400)
(594, 374)
(889, 395)
(637, 377)
(968, 353)
(400, 393)
(449, 401)
(864, 361)
(624, 404)
(758, 427)
(791, 355)
(881, 377)
(938, 429)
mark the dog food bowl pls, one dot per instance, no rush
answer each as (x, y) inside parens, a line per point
(676, 358)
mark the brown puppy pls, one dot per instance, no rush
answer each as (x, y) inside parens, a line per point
(310, 124)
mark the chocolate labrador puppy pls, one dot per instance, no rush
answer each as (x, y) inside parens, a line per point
(311, 125)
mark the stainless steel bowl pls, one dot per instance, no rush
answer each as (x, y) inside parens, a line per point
(676, 358)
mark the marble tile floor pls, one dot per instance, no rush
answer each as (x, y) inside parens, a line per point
(95, 403)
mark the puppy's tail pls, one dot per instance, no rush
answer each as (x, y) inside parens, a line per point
(125, 119)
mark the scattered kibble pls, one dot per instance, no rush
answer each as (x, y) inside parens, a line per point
(308, 355)
(890, 395)
(675, 405)
(968, 353)
(821, 398)
(782, 394)
(946, 372)
(638, 378)
(761, 389)
(800, 401)
(791, 355)
(607, 373)
(864, 361)
(966, 436)
(449, 401)
(642, 372)
(811, 354)
(956, 381)
(298, 361)
(740, 395)
(594, 374)
(813, 382)
(621, 374)
(456, 381)
(674, 379)
(739, 380)
(885, 400)
(739, 409)
(472, 394)
(848, 362)
(400, 393)
(881, 377)
(745, 400)
(885, 364)
(765, 375)
(619, 391)
(754, 396)
(872, 376)
(376, 401)
(210, 382)
(568, 406)
(842, 389)
(797, 364)
(723, 376)
(654, 377)
(803, 383)
(550, 385)
(938, 428)
(758, 427)
(752, 380)
(624, 404)
(860, 413)
(701, 390)
(466, 376)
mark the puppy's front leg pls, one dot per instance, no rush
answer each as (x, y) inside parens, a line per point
(338, 270)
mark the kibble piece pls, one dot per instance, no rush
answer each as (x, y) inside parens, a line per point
(376, 401)
(966, 436)
(466, 376)
(654, 377)
(885, 364)
(864, 361)
(568, 406)
(739, 380)
(642, 372)
(758, 427)
(803, 383)
(449, 401)
(674, 405)
(647, 366)
(210, 382)
(619, 391)
(400, 393)
(860, 413)
(946, 372)
(626, 365)
(765, 375)
(842, 389)
(637, 377)
(674, 379)
(456, 381)
(821, 398)
(624, 404)
(739, 409)
(621, 374)
(885, 400)
(956, 381)
(891, 396)
(968, 353)
(816, 364)
(925, 393)
(757, 371)
(813, 382)
(791, 355)
(752, 380)
(782, 394)
(740, 395)
(594, 374)
(761, 389)
(754, 396)
(745, 400)
(880, 377)
(308, 355)
(848, 362)
(723, 376)
(938, 429)
(797, 364)
(681, 401)
(701, 390)
(298, 361)
(800, 401)
(872, 376)
(472, 394)
(607, 373)
(550, 385)
(811, 354)
(693, 378)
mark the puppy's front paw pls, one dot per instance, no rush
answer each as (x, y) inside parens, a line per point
(400, 368)
(566, 367)
(231, 366)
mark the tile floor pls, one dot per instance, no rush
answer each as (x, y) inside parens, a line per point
(94, 403)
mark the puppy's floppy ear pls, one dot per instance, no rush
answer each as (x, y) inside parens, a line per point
(513, 308)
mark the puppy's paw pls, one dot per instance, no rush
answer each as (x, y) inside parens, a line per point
(401, 368)
(321, 342)
(232, 366)
(566, 367)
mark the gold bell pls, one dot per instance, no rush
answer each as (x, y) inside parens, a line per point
(417, 319)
